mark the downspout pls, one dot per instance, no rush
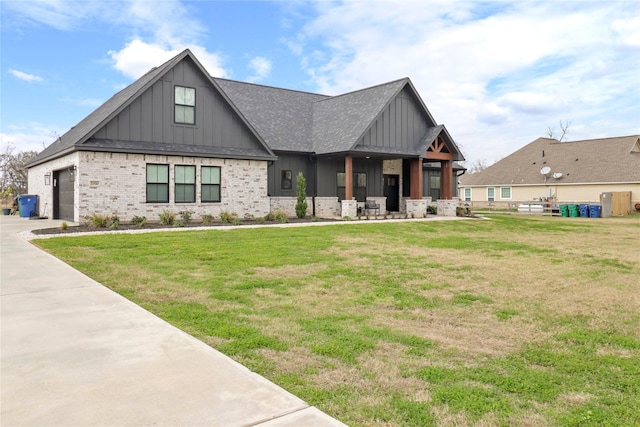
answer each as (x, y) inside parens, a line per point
(315, 185)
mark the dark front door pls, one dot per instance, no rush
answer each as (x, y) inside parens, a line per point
(63, 195)
(392, 192)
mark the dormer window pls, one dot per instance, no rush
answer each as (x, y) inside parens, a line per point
(185, 105)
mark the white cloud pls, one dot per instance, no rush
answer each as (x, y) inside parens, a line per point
(25, 76)
(497, 74)
(261, 68)
(138, 57)
(33, 137)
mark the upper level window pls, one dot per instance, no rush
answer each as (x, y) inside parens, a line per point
(157, 183)
(286, 180)
(505, 192)
(185, 190)
(185, 105)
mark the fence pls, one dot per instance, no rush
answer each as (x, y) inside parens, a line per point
(526, 207)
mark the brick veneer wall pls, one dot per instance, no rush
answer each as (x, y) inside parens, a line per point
(115, 184)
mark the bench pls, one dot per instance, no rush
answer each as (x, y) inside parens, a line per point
(371, 205)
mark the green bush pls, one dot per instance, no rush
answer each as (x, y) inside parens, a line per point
(207, 218)
(167, 217)
(98, 221)
(64, 225)
(270, 217)
(140, 221)
(114, 222)
(227, 217)
(301, 204)
(281, 216)
(185, 216)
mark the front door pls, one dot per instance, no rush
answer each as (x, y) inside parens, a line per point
(63, 184)
(392, 192)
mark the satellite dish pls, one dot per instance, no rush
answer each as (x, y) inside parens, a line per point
(557, 175)
(545, 170)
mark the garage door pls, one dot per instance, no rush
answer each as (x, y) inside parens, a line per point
(63, 195)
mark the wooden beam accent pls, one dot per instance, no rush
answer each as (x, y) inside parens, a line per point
(438, 156)
(446, 180)
(348, 178)
(416, 179)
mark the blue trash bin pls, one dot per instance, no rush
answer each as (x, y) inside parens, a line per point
(28, 205)
(595, 211)
(584, 210)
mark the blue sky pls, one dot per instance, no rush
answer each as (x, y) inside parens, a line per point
(498, 74)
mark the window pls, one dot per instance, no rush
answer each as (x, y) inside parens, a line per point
(467, 194)
(360, 186)
(185, 177)
(185, 105)
(505, 192)
(341, 183)
(433, 189)
(157, 183)
(210, 184)
(286, 182)
(491, 194)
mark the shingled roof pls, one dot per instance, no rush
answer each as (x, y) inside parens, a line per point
(606, 160)
(282, 119)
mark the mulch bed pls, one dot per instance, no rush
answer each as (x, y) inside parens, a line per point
(156, 225)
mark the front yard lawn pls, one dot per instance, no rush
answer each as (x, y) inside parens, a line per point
(512, 321)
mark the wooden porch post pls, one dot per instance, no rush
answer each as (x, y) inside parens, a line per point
(416, 178)
(446, 180)
(348, 178)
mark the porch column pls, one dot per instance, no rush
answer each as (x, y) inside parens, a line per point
(348, 178)
(446, 179)
(416, 178)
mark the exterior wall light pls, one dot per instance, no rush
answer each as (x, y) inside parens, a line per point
(47, 178)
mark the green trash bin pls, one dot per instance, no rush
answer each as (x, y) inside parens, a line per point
(564, 211)
(574, 211)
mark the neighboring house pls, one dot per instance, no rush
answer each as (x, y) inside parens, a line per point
(578, 171)
(179, 139)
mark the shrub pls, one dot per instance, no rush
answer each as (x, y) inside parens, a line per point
(433, 210)
(237, 221)
(281, 216)
(227, 217)
(115, 222)
(185, 216)
(178, 223)
(167, 217)
(260, 220)
(98, 221)
(301, 204)
(64, 225)
(207, 218)
(140, 221)
(315, 219)
(270, 217)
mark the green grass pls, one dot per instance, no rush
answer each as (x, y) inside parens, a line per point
(513, 321)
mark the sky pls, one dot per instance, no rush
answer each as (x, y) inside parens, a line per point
(497, 74)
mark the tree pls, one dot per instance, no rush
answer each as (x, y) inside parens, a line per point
(301, 204)
(477, 166)
(12, 169)
(562, 134)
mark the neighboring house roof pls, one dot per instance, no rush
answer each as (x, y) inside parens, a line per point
(605, 160)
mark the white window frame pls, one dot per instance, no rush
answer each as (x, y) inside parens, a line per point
(491, 198)
(502, 189)
(467, 199)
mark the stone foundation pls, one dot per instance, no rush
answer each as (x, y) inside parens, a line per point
(447, 207)
(349, 208)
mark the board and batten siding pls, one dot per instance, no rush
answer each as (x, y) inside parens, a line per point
(328, 169)
(149, 117)
(402, 124)
(294, 163)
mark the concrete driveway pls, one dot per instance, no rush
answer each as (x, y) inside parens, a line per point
(74, 353)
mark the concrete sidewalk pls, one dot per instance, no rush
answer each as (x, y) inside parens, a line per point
(74, 353)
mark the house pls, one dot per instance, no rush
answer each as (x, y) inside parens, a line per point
(565, 172)
(179, 139)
